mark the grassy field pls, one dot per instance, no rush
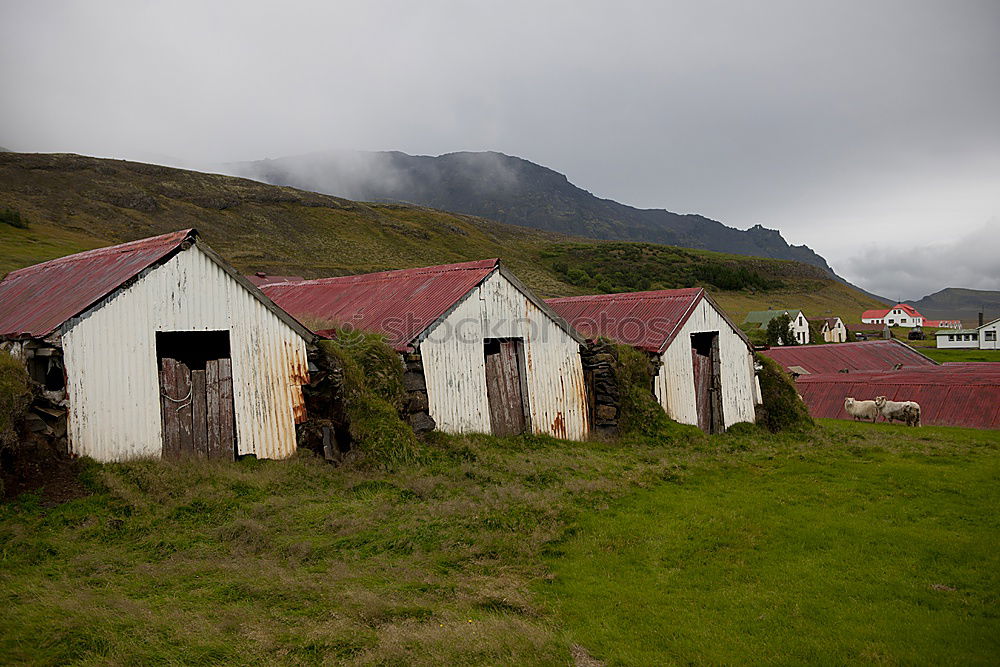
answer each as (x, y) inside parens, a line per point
(943, 355)
(864, 554)
(852, 542)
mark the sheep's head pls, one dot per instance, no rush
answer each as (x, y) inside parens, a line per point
(848, 402)
(880, 401)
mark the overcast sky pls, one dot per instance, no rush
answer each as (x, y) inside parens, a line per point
(866, 129)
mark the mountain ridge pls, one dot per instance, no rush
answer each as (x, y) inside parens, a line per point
(959, 303)
(73, 203)
(513, 190)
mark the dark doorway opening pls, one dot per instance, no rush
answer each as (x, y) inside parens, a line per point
(196, 394)
(506, 391)
(707, 381)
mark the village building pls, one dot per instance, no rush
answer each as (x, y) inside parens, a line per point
(158, 348)
(988, 334)
(905, 315)
(832, 329)
(983, 337)
(706, 373)
(900, 315)
(943, 324)
(492, 356)
(799, 323)
(957, 339)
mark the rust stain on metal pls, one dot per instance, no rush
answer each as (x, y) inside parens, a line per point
(558, 428)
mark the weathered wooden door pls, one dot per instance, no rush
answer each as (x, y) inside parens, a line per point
(505, 388)
(707, 381)
(196, 396)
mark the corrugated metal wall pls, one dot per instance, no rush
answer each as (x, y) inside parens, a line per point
(454, 364)
(110, 357)
(675, 381)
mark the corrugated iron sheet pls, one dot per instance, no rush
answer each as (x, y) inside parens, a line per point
(454, 363)
(874, 355)
(111, 361)
(647, 320)
(35, 300)
(954, 394)
(398, 304)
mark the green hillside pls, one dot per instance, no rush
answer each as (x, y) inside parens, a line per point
(73, 203)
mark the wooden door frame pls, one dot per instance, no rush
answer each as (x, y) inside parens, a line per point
(519, 353)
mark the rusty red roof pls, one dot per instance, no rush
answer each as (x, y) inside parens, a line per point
(35, 300)
(398, 304)
(647, 320)
(953, 394)
(872, 355)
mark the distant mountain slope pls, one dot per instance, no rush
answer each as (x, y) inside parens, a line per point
(515, 191)
(960, 303)
(74, 203)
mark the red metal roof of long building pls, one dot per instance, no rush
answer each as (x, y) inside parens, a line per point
(953, 394)
(398, 304)
(35, 300)
(873, 355)
(647, 320)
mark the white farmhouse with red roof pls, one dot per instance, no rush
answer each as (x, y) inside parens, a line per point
(905, 315)
(900, 315)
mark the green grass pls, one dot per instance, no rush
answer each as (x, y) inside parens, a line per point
(872, 551)
(944, 354)
(825, 545)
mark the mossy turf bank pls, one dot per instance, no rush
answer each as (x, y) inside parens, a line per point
(842, 543)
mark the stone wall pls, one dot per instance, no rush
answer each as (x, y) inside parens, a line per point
(415, 405)
(603, 395)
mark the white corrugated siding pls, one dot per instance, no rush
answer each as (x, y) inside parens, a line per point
(675, 381)
(110, 358)
(455, 369)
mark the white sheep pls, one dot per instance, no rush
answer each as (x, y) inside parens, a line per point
(861, 409)
(904, 411)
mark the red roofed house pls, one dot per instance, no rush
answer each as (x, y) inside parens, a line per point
(706, 377)
(900, 315)
(495, 357)
(161, 348)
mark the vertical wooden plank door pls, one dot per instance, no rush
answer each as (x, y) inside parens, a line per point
(707, 381)
(702, 389)
(196, 396)
(504, 387)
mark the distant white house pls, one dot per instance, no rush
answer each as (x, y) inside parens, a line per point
(832, 329)
(983, 337)
(957, 338)
(799, 323)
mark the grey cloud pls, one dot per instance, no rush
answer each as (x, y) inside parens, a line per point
(795, 115)
(907, 272)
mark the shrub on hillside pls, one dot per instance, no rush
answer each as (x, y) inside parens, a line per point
(12, 217)
(373, 388)
(783, 410)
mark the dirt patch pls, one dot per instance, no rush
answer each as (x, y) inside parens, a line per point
(36, 468)
(583, 659)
